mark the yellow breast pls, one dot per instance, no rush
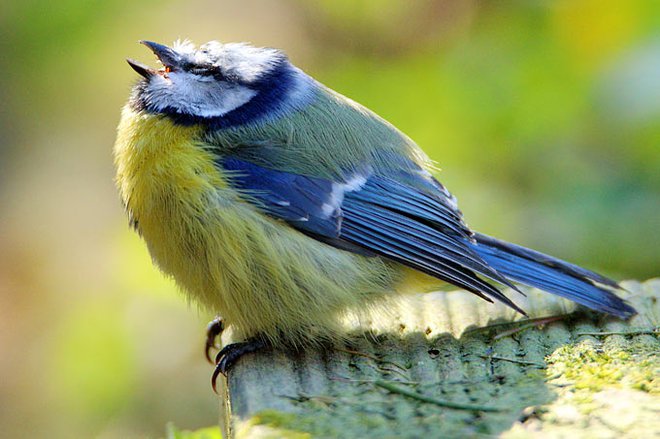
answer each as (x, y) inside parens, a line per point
(155, 157)
(261, 275)
(168, 183)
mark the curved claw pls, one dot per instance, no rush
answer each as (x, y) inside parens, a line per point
(228, 356)
(213, 330)
(214, 379)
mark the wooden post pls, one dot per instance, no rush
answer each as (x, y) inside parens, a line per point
(451, 365)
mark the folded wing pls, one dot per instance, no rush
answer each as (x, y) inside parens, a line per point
(374, 215)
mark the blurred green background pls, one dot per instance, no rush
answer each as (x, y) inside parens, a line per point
(543, 114)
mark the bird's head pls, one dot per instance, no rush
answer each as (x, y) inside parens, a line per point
(234, 82)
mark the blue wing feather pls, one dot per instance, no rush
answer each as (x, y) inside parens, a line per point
(382, 231)
(422, 206)
(553, 275)
(410, 218)
(293, 198)
(384, 217)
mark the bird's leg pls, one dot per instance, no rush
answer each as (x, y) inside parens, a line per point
(213, 330)
(228, 356)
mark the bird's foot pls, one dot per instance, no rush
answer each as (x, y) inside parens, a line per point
(228, 356)
(213, 330)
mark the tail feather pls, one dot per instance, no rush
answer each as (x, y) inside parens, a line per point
(553, 275)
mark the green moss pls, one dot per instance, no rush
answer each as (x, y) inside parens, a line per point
(602, 388)
(203, 433)
(586, 366)
(274, 418)
(273, 424)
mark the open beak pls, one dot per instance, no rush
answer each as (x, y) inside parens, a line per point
(168, 57)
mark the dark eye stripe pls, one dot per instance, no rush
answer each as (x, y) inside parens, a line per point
(208, 70)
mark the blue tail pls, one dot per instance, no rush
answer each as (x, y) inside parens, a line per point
(553, 275)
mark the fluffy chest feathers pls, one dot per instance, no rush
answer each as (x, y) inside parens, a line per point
(257, 272)
(168, 184)
(160, 167)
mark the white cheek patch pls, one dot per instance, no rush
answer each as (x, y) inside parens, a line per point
(336, 197)
(198, 95)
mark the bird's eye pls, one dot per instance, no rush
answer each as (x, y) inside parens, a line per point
(168, 69)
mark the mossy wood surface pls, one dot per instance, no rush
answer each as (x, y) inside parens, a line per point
(581, 375)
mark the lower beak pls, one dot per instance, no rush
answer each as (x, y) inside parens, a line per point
(142, 69)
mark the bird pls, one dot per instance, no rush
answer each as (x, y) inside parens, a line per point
(281, 205)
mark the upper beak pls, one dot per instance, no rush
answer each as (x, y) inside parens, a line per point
(167, 56)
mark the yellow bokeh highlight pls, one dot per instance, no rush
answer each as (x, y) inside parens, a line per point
(595, 31)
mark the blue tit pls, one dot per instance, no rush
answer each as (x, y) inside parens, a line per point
(282, 205)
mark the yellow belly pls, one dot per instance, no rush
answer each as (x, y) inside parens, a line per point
(262, 276)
